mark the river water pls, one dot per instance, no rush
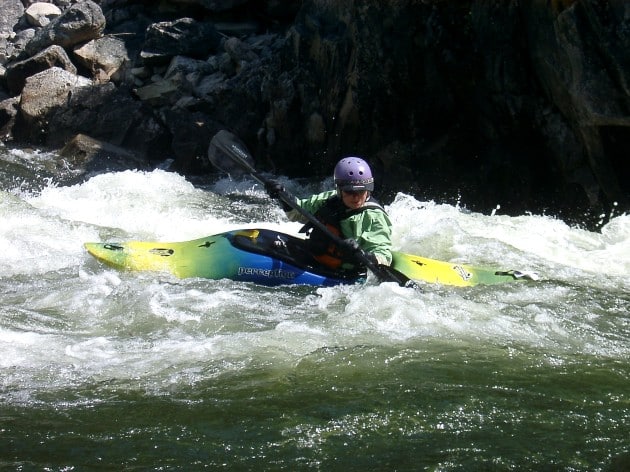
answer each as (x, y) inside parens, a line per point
(108, 370)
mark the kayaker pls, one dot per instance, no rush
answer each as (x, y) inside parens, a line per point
(350, 211)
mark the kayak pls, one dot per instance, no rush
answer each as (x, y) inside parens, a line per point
(272, 258)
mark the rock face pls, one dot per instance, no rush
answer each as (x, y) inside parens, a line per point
(522, 104)
(580, 59)
(184, 36)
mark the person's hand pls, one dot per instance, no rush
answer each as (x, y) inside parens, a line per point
(370, 256)
(350, 246)
(274, 189)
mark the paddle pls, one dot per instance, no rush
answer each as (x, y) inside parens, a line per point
(225, 145)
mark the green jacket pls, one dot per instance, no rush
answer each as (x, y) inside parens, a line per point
(371, 228)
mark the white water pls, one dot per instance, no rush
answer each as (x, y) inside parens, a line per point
(66, 320)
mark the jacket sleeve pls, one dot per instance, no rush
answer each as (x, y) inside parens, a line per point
(310, 204)
(373, 231)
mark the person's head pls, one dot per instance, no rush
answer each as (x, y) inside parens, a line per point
(353, 181)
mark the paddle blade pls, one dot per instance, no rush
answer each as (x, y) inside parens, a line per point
(228, 153)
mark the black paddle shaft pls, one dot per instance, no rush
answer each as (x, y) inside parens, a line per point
(226, 144)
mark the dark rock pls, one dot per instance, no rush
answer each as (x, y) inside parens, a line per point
(237, 29)
(580, 57)
(191, 131)
(191, 69)
(110, 114)
(86, 155)
(8, 112)
(213, 5)
(181, 37)
(239, 51)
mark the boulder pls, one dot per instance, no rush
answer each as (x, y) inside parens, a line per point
(184, 66)
(10, 13)
(18, 72)
(191, 131)
(162, 92)
(13, 48)
(105, 55)
(79, 23)
(87, 155)
(40, 14)
(519, 103)
(239, 51)
(42, 95)
(8, 112)
(180, 79)
(109, 113)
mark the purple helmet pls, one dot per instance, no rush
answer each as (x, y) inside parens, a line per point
(353, 174)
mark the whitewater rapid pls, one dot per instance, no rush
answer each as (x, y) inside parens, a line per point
(66, 320)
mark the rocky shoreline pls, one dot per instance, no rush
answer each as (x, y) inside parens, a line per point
(522, 105)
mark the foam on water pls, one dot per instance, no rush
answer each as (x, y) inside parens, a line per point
(537, 242)
(67, 319)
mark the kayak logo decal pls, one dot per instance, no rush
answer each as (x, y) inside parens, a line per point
(463, 273)
(239, 151)
(162, 252)
(113, 247)
(269, 273)
(207, 244)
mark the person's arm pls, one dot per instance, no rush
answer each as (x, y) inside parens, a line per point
(310, 204)
(372, 229)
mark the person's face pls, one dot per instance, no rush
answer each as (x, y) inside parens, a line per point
(354, 200)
